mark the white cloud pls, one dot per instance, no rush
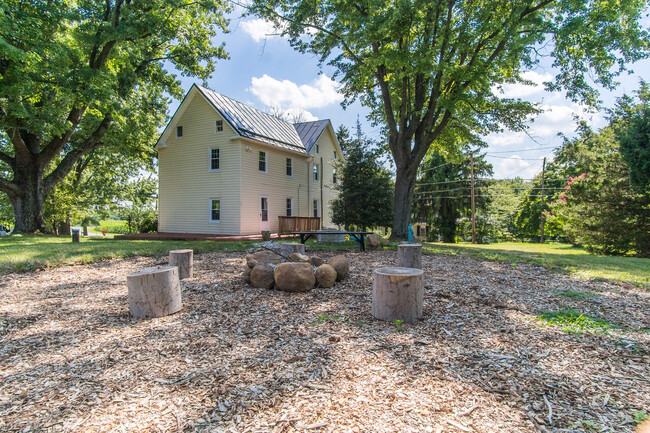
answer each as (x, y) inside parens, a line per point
(259, 29)
(293, 99)
(506, 138)
(520, 90)
(515, 166)
(562, 119)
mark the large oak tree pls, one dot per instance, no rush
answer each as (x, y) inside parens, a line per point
(429, 69)
(77, 75)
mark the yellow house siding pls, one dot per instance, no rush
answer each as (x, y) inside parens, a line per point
(325, 159)
(186, 183)
(274, 184)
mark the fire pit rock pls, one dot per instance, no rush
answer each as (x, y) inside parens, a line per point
(294, 277)
(325, 276)
(341, 265)
(262, 276)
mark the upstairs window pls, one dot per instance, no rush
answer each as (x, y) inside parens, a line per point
(219, 126)
(315, 173)
(334, 179)
(215, 210)
(289, 207)
(335, 155)
(317, 148)
(214, 159)
(179, 131)
(289, 169)
(262, 161)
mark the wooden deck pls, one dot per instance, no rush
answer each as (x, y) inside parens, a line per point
(290, 224)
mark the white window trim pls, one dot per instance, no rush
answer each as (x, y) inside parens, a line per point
(210, 210)
(266, 162)
(285, 210)
(292, 167)
(177, 136)
(315, 174)
(216, 131)
(317, 203)
(210, 160)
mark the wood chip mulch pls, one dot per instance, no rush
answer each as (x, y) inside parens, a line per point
(240, 359)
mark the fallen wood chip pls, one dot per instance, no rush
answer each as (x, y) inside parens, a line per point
(459, 426)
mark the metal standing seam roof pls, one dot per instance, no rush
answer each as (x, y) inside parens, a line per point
(309, 132)
(255, 124)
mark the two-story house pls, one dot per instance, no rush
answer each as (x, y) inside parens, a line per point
(227, 168)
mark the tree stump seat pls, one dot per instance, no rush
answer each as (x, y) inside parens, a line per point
(184, 261)
(397, 294)
(409, 256)
(154, 292)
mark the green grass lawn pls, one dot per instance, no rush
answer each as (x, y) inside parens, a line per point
(26, 253)
(556, 257)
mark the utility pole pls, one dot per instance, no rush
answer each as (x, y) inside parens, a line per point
(471, 165)
(541, 228)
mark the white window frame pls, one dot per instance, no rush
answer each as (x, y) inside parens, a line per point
(317, 208)
(213, 220)
(266, 162)
(217, 124)
(315, 173)
(335, 179)
(290, 200)
(285, 167)
(182, 132)
(210, 159)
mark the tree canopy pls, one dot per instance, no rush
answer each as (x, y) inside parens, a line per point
(430, 70)
(77, 76)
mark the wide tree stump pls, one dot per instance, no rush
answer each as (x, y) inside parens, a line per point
(184, 261)
(154, 292)
(397, 294)
(288, 249)
(409, 256)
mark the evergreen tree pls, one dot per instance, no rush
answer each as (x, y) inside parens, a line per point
(365, 197)
(443, 193)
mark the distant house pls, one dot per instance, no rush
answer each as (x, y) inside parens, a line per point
(227, 168)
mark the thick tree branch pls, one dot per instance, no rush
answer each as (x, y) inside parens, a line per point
(10, 188)
(8, 159)
(73, 156)
(56, 144)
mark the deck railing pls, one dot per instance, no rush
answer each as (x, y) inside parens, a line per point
(290, 224)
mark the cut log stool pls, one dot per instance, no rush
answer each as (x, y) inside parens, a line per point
(184, 261)
(409, 256)
(154, 292)
(397, 294)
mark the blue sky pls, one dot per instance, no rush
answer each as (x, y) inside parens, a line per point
(265, 72)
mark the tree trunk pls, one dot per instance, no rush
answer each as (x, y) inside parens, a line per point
(28, 210)
(404, 187)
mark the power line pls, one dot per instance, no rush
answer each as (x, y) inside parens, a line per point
(525, 150)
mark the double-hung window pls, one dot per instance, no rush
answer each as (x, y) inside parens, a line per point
(315, 172)
(262, 161)
(289, 207)
(214, 159)
(289, 168)
(179, 131)
(219, 126)
(334, 179)
(215, 210)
